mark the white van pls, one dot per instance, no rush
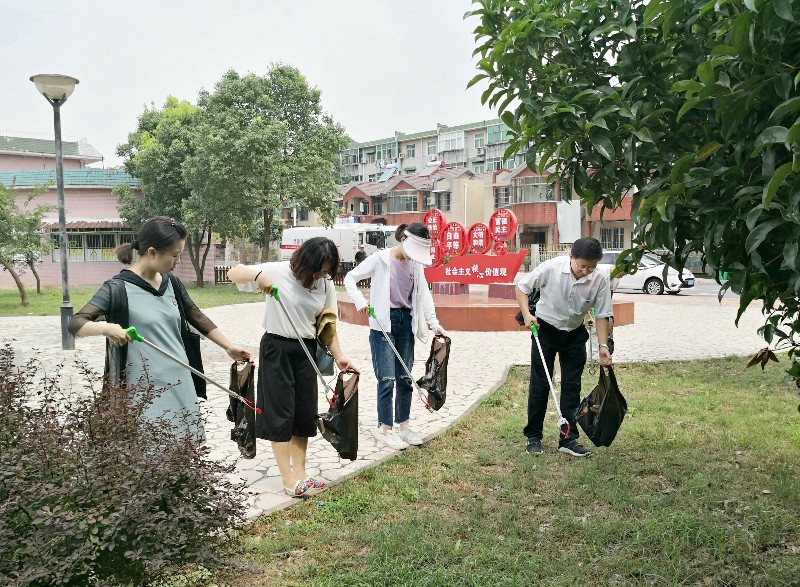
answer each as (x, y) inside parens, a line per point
(347, 237)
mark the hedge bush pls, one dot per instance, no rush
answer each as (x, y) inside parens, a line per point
(91, 494)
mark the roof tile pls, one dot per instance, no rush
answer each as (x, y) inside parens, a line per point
(88, 177)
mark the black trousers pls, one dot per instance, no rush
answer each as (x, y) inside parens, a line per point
(571, 348)
(287, 389)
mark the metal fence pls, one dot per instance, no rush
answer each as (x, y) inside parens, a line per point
(541, 253)
(221, 276)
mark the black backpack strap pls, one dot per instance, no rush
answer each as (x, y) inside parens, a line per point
(117, 313)
(191, 340)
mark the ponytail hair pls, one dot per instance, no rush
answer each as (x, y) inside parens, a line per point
(160, 232)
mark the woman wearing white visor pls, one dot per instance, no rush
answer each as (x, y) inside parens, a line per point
(403, 304)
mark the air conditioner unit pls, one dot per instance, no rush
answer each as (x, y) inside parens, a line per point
(431, 201)
(481, 151)
(400, 156)
(363, 161)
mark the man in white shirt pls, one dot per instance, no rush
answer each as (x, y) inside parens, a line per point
(569, 287)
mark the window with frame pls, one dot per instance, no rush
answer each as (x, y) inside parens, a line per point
(377, 205)
(514, 162)
(480, 140)
(443, 201)
(303, 214)
(402, 201)
(386, 151)
(411, 150)
(431, 147)
(477, 168)
(90, 246)
(532, 189)
(495, 164)
(456, 164)
(612, 238)
(502, 197)
(350, 157)
(451, 141)
(498, 133)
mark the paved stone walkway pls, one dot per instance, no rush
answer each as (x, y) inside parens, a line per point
(666, 328)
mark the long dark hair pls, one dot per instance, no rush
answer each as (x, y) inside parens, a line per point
(311, 257)
(415, 228)
(160, 232)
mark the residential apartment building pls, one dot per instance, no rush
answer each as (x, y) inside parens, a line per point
(478, 147)
(460, 170)
(390, 180)
(94, 226)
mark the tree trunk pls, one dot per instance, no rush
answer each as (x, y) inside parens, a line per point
(268, 212)
(36, 275)
(20, 286)
(205, 255)
(194, 242)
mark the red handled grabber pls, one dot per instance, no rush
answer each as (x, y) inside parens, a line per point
(420, 393)
(563, 423)
(131, 330)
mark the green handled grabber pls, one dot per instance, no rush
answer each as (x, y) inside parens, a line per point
(131, 330)
(562, 421)
(274, 293)
(420, 393)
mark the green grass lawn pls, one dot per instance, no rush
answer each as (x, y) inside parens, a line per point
(699, 488)
(48, 303)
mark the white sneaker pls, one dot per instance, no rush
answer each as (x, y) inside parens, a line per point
(411, 437)
(392, 440)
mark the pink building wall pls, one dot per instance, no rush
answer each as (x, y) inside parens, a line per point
(78, 202)
(89, 203)
(9, 162)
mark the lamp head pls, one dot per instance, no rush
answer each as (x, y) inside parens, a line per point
(54, 87)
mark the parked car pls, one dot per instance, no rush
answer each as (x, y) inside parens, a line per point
(649, 276)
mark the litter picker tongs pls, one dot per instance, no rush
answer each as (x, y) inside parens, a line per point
(274, 293)
(131, 330)
(419, 391)
(562, 421)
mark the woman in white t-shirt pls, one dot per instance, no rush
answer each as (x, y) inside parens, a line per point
(287, 384)
(404, 306)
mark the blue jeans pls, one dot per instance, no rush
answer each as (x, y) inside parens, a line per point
(388, 369)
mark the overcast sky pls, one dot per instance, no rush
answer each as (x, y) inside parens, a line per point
(381, 66)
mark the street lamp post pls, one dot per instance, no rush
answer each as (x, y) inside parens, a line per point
(56, 89)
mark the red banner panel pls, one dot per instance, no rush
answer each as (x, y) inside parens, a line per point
(502, 224)
(435, 221)
(454, 239)
(478, 269)
(478, 238)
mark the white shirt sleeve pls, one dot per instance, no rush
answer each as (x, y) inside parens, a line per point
(250, 286)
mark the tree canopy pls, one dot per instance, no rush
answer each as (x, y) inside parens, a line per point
(155, 153)
(692, 106)
(264, 144)
(252, 147)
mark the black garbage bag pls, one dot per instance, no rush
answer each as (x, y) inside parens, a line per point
(602, 411)
(435, 379)
(533, 299)
(244, 418)
(339, 425)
